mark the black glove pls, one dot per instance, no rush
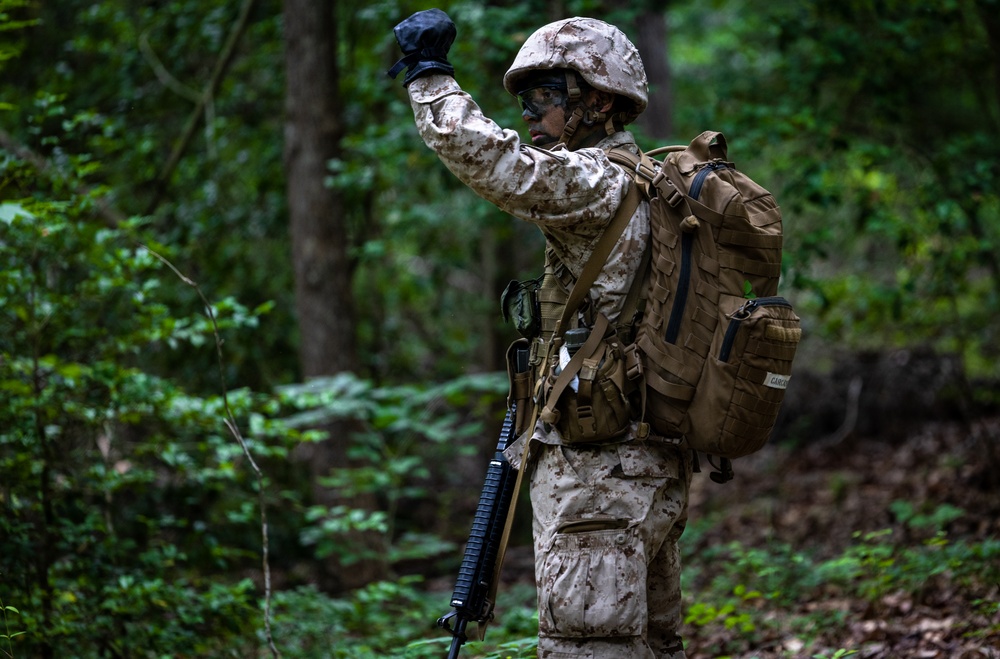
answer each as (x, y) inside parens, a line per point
(425, 38)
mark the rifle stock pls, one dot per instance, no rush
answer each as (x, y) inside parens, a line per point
(471, 599)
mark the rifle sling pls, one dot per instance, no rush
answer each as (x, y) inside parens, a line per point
(582, 286)
(598, 258)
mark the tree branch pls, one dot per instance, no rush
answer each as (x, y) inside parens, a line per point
(164, 76)
(207, 94)
(234, 429)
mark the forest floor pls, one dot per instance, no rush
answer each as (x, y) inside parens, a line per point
(901, 523)
(913, 503)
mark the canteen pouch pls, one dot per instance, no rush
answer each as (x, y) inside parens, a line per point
(586, 395)
(519, 304)
(745, 376)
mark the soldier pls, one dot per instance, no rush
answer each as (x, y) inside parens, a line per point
(607, 517)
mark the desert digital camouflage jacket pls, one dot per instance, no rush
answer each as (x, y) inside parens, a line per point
(570, 195)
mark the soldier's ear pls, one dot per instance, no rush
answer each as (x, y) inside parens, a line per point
(601, 101)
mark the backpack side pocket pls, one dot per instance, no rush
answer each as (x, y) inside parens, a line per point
(745, 378)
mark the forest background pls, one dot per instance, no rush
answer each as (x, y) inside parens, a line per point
(250, 344)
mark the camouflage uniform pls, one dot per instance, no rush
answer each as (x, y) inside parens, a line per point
(606, 518)
(570, 195)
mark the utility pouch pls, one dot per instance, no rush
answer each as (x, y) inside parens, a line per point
(586, 392)
(521, 381)
(519, 304)
(585, 395)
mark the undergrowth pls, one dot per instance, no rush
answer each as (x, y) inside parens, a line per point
(742, 596)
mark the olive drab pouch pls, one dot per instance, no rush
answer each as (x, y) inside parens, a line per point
(586, 390)
(519, 379)
(519, 304)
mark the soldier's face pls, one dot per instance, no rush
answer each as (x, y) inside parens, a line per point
(547, 121)
(545, 107)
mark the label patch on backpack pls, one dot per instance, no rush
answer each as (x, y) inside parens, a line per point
(777, 381)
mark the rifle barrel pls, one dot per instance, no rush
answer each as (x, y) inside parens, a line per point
(476, 573)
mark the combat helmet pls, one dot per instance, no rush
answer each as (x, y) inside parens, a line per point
(598, 52)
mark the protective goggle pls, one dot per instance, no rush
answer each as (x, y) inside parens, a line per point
(539, 100)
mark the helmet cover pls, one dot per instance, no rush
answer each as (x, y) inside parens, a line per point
(599, 52)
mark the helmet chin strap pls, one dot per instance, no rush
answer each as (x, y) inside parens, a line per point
(573, 90)
(580, 115)
(569, 130)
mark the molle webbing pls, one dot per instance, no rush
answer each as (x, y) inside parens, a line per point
(554, 292)
(716, 240)
(587, 413)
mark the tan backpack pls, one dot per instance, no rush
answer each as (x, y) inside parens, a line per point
(714, 344)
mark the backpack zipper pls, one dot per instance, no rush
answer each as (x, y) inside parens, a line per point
(743, 313)
(683, 284)
(687, 241)
(699, 178)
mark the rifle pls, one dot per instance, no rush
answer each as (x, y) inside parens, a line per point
(472, 599)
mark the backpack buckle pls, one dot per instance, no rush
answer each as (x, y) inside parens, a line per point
(585, 417)
(675, 196)
(651, 171)
(633, 363)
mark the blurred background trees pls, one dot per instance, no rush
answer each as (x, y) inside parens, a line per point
(258, 150)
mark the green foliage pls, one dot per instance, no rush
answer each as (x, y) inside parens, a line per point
(117, 483)
(887, 185)
(729, 614)
(125, 506)
(832, 105)
(372, 622)
(8, 636)
(113, 83)
(867, 566)
(781, 588)
(837, 654)
(402, 433)
(11, 26)
(934, 520)
(393, 619)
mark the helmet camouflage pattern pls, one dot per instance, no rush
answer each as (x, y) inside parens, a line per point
(599, 52)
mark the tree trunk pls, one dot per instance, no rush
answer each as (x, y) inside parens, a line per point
(313, 130)
(323, 296)
(651, 34)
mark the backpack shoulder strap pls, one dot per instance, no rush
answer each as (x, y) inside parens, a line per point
(635, 299)
(642, 168)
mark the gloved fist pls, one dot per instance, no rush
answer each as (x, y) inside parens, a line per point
(424, 38)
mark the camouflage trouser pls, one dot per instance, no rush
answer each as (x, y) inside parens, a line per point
(606, 525)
